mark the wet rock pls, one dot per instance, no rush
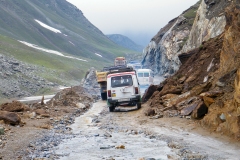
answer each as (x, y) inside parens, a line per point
(10, 117)
(199, 111)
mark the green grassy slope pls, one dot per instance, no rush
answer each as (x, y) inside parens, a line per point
(78, 36)
(66, 71)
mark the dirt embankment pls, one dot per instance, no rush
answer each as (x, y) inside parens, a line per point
(206, 87)
(21, 125)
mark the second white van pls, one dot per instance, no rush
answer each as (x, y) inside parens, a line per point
(145, 76)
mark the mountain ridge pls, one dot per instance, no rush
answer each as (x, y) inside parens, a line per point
(125, 42)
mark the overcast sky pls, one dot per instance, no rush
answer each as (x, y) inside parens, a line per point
(139, 20)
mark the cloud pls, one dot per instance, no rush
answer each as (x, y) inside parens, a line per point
(138, 16)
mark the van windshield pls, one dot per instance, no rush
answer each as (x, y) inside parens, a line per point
(121, 81)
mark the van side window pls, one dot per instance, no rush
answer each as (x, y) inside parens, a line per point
(121, 81)
(140, 74)
(146, 74)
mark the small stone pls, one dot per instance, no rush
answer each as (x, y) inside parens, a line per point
(107, 134)
(222, 117)
(1, 131)
(32, 115)
(106, 147)
(81, 106)
(120, 147)
(96, 135)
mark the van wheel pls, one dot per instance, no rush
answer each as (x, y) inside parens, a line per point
(139, 105)
(104, 96)
(111, 108)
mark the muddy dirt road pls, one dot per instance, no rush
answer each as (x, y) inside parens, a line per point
(127, 134)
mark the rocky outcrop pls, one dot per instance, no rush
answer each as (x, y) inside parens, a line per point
(199, 23)
(210, 22)
(161, 55)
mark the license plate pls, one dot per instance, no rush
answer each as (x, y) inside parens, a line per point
(113, 94)
(123, 100)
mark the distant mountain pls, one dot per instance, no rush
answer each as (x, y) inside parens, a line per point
(56, 25)
(125, 42)
(55, 39)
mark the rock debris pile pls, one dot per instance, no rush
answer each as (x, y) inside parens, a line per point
(206, 86)
(18, 79)
(48, 121)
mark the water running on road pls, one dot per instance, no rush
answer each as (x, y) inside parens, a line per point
(94, 143)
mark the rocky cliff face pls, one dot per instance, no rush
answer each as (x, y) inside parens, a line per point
(209, 23)
(207, 85)
(199, 23)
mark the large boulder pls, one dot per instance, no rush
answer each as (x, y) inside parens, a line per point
(10, 117)
(149, 92)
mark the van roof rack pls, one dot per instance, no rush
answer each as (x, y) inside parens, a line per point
(115, 69)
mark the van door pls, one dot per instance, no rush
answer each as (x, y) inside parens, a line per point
(122, 86)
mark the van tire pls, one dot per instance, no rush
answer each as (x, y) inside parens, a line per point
(111, 108)
(104, 96)
(139, 105)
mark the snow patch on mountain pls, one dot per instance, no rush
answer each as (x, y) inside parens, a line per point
(98, 55)
(50, 51)
(48, 27)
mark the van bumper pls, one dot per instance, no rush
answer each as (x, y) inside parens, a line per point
(116, 102)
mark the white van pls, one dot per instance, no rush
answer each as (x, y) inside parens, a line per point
(145, 76)
(123, 88)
